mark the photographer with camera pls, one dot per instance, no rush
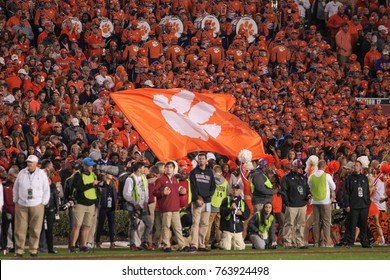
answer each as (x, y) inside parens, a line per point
(136, 194)
(262, 226)
(85, 193)
(234, 212)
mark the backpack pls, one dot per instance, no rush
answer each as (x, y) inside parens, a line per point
(121, 185)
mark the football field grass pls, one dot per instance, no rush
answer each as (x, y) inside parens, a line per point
(337, 253)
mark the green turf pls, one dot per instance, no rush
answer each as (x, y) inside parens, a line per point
(356, 253)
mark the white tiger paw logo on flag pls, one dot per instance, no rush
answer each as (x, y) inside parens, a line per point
(185, 119)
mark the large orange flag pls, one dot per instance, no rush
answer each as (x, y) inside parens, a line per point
(175, 122)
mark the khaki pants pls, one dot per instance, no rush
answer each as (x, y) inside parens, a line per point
(172, 219)
(30, 218)
(229, 239)
(322, 217)
(200, 225)
(215, 218)
(294, 226)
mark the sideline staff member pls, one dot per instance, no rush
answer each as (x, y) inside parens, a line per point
(31, 194)
(84, 186)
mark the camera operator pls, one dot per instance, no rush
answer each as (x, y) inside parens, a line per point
(85, 185)
(136, 194)
(234, 212)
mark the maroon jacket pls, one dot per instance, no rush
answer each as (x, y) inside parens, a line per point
(171, 202)
(9, 205)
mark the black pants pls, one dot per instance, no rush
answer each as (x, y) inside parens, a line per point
(358, 218)
(48, 224)
(6, 221)
(110, 214)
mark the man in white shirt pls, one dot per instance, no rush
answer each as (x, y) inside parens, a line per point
(104, 77)
(331, 8)
(322, 187)
(136, 194)
(31, 193)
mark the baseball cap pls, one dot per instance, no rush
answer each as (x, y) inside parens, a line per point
(75, 122)
(297, 163)
(22, 71)
(95, 122)
(236, 186)
(32, 158)
(88, 161)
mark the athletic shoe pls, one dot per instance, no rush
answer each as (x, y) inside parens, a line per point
(134, 248)
(85, 249)
(193, 249)
(203, 249)
(72, 249)
(167, 250)
(186, 249)
(145, 247)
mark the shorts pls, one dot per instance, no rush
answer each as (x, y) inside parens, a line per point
(83, 215)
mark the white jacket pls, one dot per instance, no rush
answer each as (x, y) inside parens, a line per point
(38, 182)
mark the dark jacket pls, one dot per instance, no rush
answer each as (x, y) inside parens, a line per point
(352, 196)
(54, 204)
(295, 190)
(227, 220)
(261, 193)
(105, 192)
(202, 184)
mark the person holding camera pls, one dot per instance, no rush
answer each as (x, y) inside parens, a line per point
(262, 226)
(136, 194)
(234, 212)
(108, 199)
(85, 194)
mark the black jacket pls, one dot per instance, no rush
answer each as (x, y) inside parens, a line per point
(352, 196)
(202, 184)
(53, 205)
(295, 190)
(227, 220)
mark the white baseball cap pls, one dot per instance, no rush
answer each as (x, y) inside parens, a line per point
(75, 122)
(32, 158)
(22, 71)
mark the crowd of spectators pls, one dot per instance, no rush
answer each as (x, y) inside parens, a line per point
(296, 83)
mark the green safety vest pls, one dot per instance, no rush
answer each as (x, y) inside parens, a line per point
(242, 206)
(221, 191)
(135, 194)
(267, 183)
(189, 192)
(89, 179)
(318, 187)
(268, 222)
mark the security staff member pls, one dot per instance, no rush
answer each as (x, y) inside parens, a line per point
(357, 202)
(85, 193)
